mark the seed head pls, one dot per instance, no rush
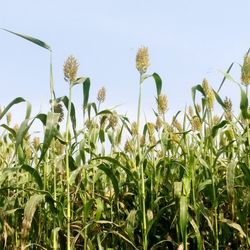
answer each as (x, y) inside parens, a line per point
(177, 125)
(16, 127)
(228, 109)
(128, 147)
(158, 123)
(142, 141)
(190, 111)
(113, 120)
(245, 70)
(101, 95)
(196, 123)
(228, 104)
(209, 94)
(134, 128)
(216, 119)
(36, 143)
(162, 102)
(59, 147)
(142, 60)
(151, 128)
(9, 118)
(59, 110)
(70, 69)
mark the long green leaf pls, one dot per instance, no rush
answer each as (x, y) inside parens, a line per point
(158, 83)
(34, 173)
(86, 87)
(50, 132)
(29, 212)
(65, 101)
(15, 101)
(31, 39)
(112, 177)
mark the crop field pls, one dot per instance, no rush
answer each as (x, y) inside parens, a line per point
(112, 183)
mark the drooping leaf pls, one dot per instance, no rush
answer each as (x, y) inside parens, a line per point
(217, 127)
(29, 211)
(65, 101)
(31, 39)
(15, 101)
(112, 177)
(50, 132)
(158, 83)
(11, 130)
(34, 173)
(197, 234)
(234, 225)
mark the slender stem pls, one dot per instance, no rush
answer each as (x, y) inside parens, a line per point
(52, 96)
(141, 172)
(67, 167)
(214, 173)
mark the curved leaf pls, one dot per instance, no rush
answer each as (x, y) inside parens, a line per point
(158, 83)
(34, 173)
(112, 177)
(15, 101)
(31, 39)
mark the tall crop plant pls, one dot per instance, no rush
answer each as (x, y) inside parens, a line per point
(112, 183)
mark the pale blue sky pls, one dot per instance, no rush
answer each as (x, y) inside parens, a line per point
(187, 40)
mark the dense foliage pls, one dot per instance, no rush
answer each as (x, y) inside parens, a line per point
(115, 184)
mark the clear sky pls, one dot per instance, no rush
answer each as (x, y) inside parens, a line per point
(187, 40)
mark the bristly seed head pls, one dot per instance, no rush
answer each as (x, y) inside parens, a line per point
(162, 102)
(177, 125)
(245, 70)
(134, 129)
(228, 109)
(158, 123)
(142, 60)
(196, 123)
(113, 120)
(70, 69)
(190, 111)
(9, 118)
(209, 94)
(36, 143)
(101, 95)
(59, 110)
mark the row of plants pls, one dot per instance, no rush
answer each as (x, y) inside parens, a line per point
(112, 183)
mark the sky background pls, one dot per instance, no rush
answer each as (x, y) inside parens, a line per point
(187, 40)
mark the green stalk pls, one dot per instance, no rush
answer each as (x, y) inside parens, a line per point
(141, 172)
(52, 96)
(214, 173)
(67, 166)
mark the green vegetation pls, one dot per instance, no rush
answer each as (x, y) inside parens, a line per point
(110, 183)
